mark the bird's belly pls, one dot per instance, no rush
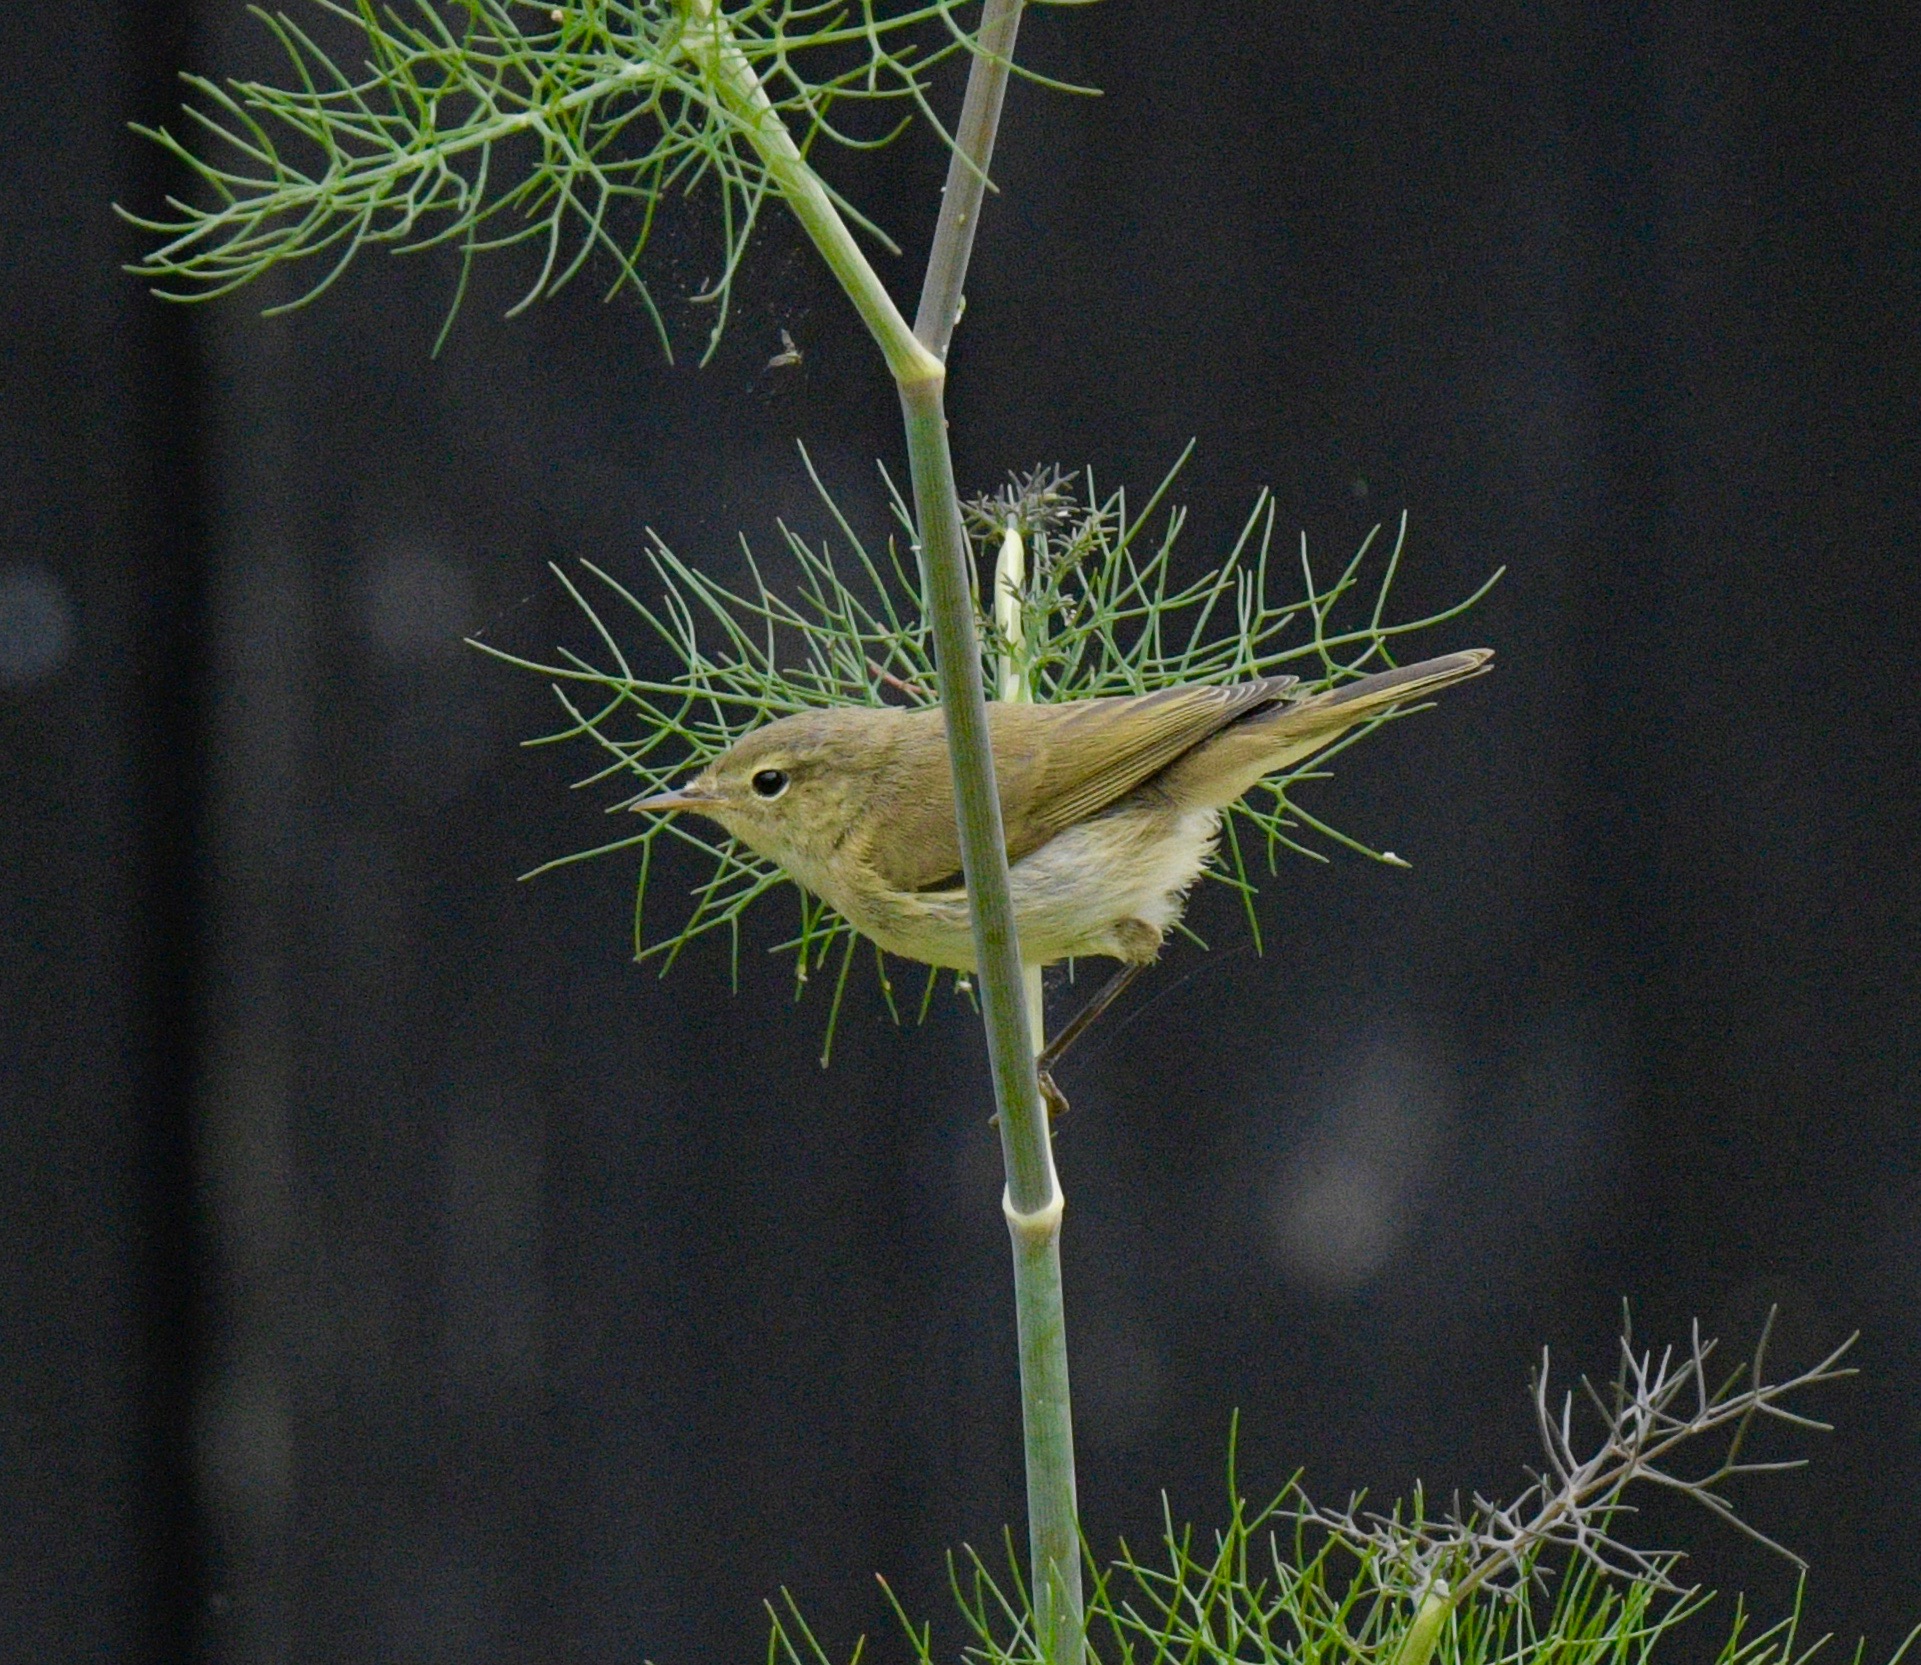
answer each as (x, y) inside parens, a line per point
(1087, 892)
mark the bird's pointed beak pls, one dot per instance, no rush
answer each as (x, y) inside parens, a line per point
(691, 796)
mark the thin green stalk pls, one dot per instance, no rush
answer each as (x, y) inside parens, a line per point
(1025, 1143)
(1417, 1646)
(710, 42)
(1033, 1201)
(966, 187)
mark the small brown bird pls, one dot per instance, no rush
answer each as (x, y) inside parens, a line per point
(1111, 806)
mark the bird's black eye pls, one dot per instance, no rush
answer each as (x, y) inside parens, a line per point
(769, 783)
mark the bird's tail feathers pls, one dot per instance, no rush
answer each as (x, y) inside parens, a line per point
(1354, 700)
(1218, 772)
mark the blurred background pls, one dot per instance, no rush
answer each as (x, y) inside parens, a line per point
(396, 1272)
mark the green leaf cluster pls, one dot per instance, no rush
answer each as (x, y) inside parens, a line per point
(1104, 612)
(489, 123)
(1542, 1579)
(1265, 1591)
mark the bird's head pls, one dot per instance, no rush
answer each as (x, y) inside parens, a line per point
(791, 790)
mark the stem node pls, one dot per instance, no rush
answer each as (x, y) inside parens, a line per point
(1035, 1227)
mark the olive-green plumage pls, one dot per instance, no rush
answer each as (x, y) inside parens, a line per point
(1110, 806)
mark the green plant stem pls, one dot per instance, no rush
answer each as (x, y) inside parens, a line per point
(966, 187)
(1047, 1435)
(1424, 1634)
(1033, 1199)
(1025, 1144)
(709, 42)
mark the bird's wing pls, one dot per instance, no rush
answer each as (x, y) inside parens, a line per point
(1084, 757)
(1101, 749)
(1056, 765)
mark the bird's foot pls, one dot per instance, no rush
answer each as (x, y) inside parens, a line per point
(1052, 1096)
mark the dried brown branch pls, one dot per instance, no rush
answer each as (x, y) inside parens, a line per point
(1657, 1406)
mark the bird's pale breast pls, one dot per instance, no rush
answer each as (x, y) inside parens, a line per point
(1107, 887)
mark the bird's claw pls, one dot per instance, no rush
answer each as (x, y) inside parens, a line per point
(1051, 1096)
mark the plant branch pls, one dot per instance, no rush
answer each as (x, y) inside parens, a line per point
(1658, 1404)
(967, 182)
(488, 123)
(1033, 1200)
(710, 41)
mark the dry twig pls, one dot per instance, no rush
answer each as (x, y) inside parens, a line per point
(1657, 1405)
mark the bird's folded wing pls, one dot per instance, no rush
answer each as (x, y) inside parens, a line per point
(1093, 753)
(1058, 765)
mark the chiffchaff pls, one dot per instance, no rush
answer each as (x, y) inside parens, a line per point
(1111, 806)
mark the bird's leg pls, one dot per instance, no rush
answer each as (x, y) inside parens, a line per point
(1077, 1026)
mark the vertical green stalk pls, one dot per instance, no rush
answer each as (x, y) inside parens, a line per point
(1033, 1201)
(1424, 1634)
(917, 358)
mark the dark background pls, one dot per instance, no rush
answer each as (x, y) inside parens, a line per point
(393, 1271)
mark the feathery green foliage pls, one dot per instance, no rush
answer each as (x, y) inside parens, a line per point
(487, 123)
(1261, 1597)
(1544, 1579)
(1264, 1591)
(1103, 613)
